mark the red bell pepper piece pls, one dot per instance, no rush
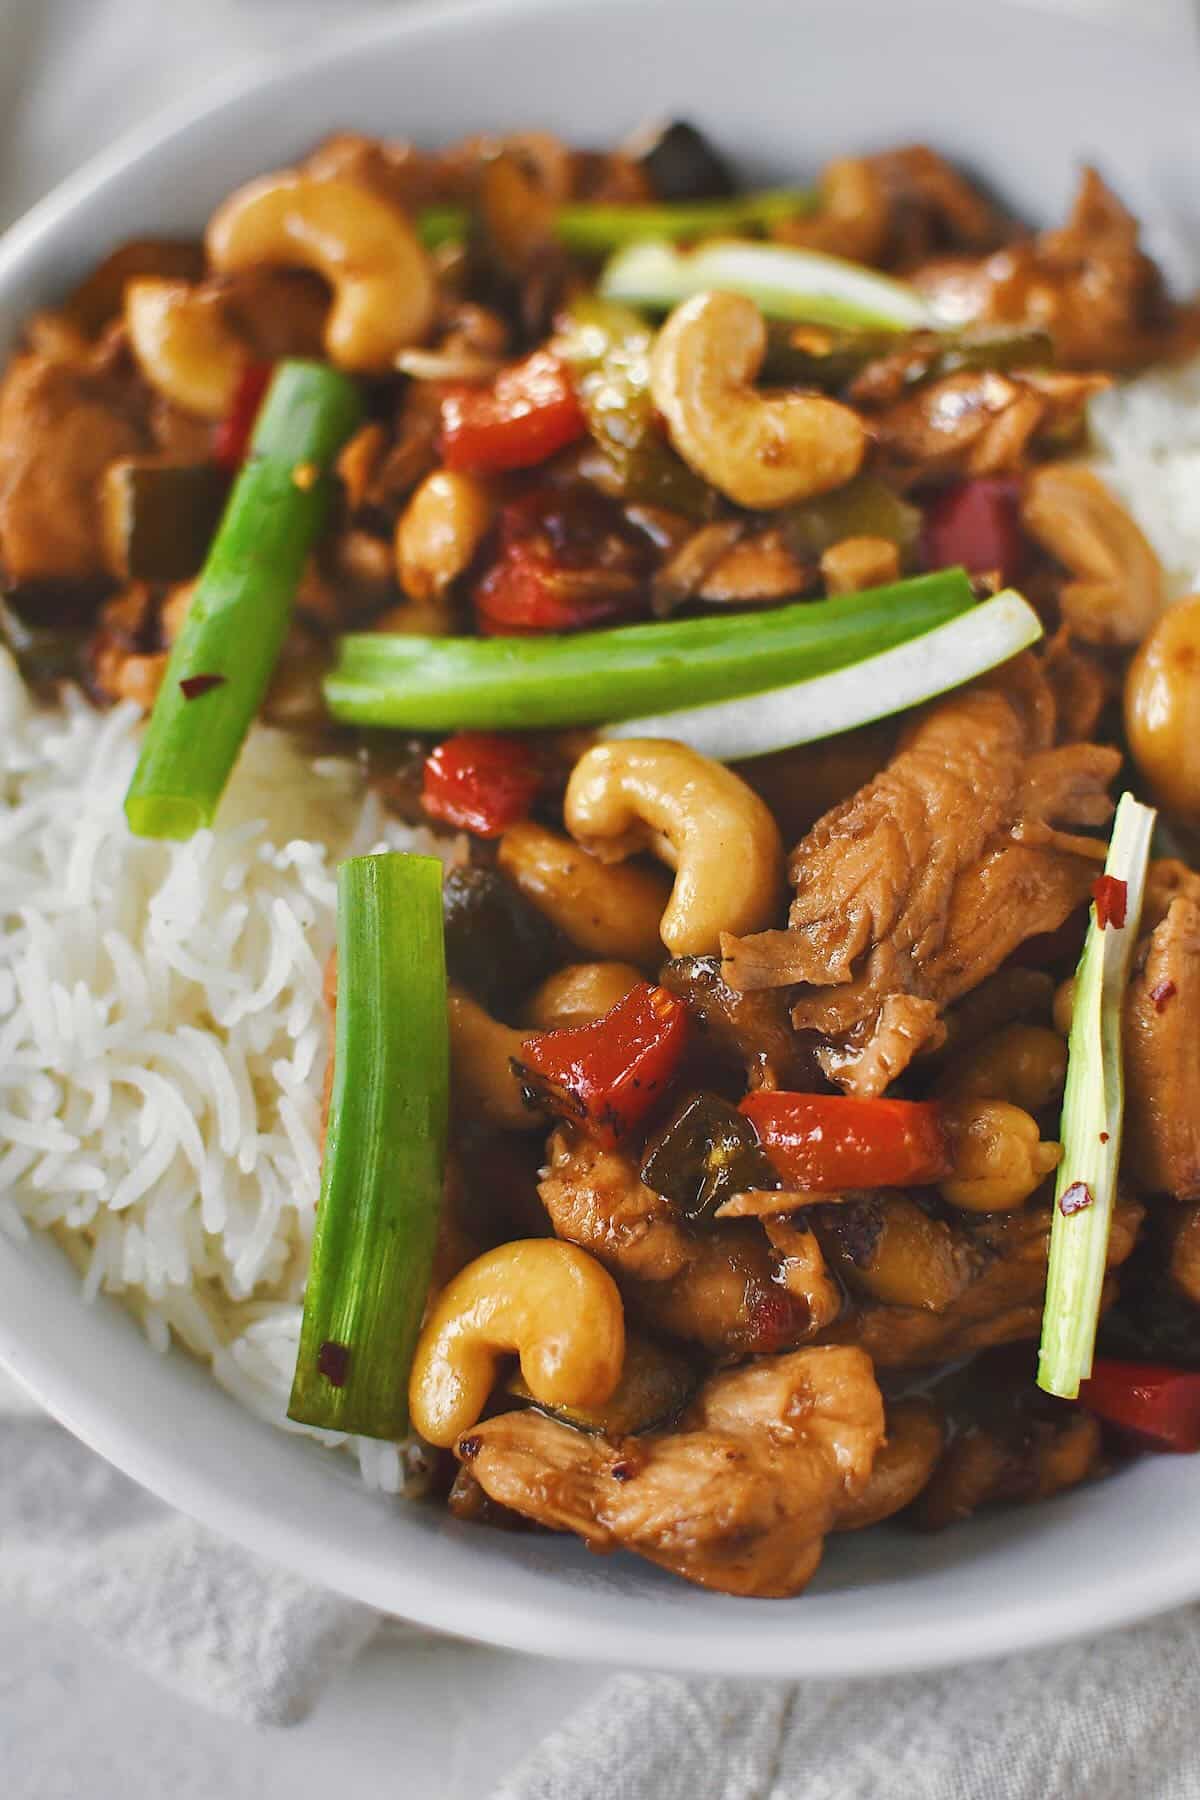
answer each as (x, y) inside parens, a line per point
(232, 438)
(610, 1075)
(976, 524)
(481, 782)
(568, 560)
(1160, 1404)
(828, 1142)
(529, 412)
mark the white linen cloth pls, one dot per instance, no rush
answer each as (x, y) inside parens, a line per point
(80, 1542)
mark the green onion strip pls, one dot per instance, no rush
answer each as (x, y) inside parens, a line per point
(1092, 1118)
(591, 678)
(223, 659)
(385, 1148)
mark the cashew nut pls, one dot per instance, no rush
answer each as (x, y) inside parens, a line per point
(185, 345)
(439, 532)
(699, 817)
(762, 450)
(1162, 709)
(1023, 1064)
(580, 993)
(549, 1302)
(998, 1154)
(1118, 590)
(607, 911)
(855, 563)
(384, 294)
(481, 1056)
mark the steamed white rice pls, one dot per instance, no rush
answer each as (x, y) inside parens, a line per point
(162, 1031)
(163, 1035)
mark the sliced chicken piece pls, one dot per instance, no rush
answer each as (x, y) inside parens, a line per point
(921, 885)
(1162, 1057)
(752, 1029)
(980, 422)
(718, 1286)
(738, 1499)
(803, 1270)
(984, 1467)
(1000, 1304)
(1089, 285)
(61, 424)
(916, 1434)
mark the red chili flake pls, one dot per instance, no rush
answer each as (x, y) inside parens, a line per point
(776, 1321)
(333, 1362)
(469, 1447)
(1162, 994)
(1104, 1137)
(1077, 1198)
(1112, 897)
(192, 686)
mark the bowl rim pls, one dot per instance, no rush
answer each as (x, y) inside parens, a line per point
(1128, 1593)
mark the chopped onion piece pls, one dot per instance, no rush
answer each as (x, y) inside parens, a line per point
(786, 283)
(874, 688)
(1092, 1114)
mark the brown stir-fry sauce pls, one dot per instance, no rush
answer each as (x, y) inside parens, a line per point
(890, 915)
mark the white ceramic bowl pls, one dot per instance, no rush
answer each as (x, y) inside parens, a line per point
(1024, 96)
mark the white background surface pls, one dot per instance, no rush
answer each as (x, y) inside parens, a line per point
(415, 1717)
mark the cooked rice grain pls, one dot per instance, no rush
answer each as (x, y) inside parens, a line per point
(163, 1035)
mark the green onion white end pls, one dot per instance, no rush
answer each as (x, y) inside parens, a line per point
(875, 688)
(1092, 1119)
(786, 283)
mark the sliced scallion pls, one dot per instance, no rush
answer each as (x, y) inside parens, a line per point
(225, 654)
(385, 1147)
(875, 687)
(1092, 1114)
(785, 282)
(592, 228)
(515, 683)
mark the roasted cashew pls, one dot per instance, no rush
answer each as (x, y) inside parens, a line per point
(699, 817)
(549, 1302)
(384, 293)
(1162, 709)
(1118, 590)
(580, 993)
(481, 1055)
(762, 450)
(1023, 1064)
(606, 911)
(439, 532)
(185, 345)
(998, 1154)
(855, 563)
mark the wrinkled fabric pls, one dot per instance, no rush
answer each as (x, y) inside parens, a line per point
(82, 1545)
(1113, 1719)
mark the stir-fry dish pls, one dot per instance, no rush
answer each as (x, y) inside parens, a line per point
(761, 1049)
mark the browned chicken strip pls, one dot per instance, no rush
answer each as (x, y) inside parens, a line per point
(912, 892)
(1162, 1057)
(720, 1286)
(738, 1499)
(61, 425)
(1000, 1304)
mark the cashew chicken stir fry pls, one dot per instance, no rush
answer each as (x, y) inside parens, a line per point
(730, 1220)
